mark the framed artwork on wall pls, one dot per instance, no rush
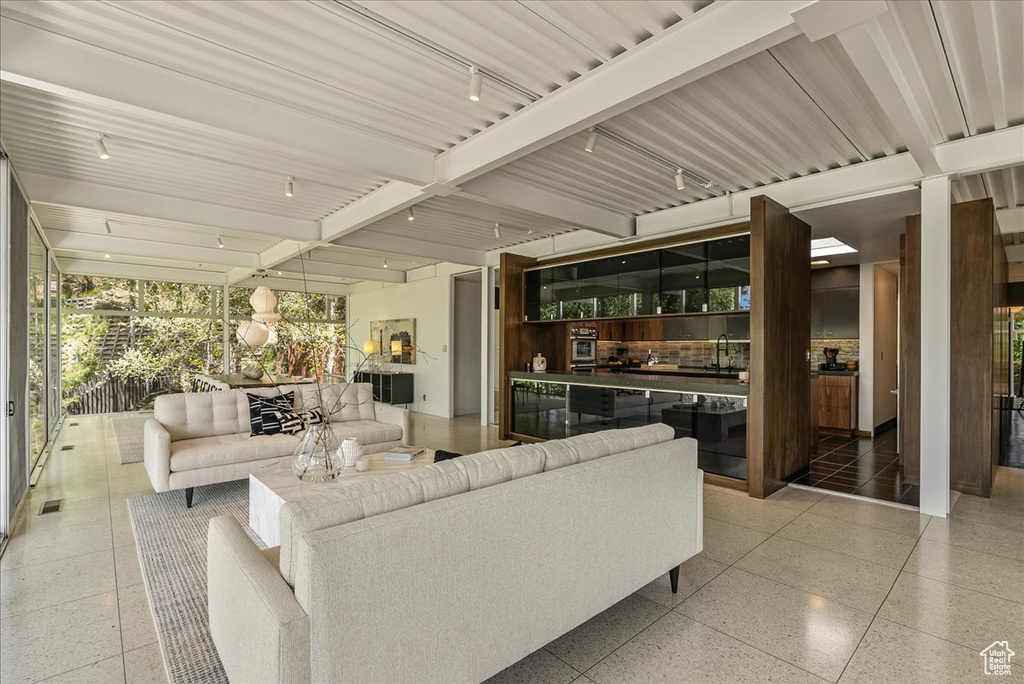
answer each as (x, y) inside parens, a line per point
(389, 335)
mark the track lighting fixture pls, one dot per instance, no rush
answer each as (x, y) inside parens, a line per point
(385, 262)
(106, 256)
(680, 185)
(591, 141)
(707, 185)
(289, 187)
(220, 243)
(106, 225)
(101, 149)
(411, 216)
(497, 230)
(476, 82)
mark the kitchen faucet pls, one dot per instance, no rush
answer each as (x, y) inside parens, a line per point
(718, 351)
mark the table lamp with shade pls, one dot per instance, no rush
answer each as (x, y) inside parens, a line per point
(396, 350)
(368, 351)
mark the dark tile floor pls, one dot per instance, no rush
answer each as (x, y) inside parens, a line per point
(863, 466)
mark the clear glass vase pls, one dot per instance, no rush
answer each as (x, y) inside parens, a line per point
(316, 458)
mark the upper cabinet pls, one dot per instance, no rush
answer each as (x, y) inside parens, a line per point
(835, 303)
(703, 277)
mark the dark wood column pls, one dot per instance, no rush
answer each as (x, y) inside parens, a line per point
(910, 351)
(780, 328)
(979, 351)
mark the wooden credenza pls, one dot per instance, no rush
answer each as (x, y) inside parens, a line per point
(837, 402)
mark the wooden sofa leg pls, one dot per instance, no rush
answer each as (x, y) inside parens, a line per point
(188, 504)
(673, 577)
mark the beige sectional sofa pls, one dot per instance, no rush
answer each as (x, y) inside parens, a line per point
(453, 571)
(201, 438)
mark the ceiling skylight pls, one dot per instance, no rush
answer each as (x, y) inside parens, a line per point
(822, 247)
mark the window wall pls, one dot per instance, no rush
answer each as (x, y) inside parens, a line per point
(310, 337)
(125, 341)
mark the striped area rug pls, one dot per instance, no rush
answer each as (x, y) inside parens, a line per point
(171, 541)
(127, 429)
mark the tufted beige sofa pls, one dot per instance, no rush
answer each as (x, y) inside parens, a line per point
(453, 571)
(201, 438)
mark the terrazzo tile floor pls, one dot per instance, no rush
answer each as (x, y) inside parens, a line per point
(802, 587)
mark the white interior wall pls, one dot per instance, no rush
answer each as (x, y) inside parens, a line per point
(429, 300)
(865, 386)
(885, 345)
(466, 347)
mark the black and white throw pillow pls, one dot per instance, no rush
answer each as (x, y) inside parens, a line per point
(312, 417)
(278, 421)
(257, 403)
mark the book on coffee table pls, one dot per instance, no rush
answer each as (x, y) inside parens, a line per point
(404, 453)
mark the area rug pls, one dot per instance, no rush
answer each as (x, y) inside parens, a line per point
(128, 433)
(172, 552)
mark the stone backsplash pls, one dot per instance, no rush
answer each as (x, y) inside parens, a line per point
(848, 349)
(679, 353)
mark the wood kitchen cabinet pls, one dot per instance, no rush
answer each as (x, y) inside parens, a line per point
(837, 402)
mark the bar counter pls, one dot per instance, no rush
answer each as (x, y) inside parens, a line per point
(720, 387)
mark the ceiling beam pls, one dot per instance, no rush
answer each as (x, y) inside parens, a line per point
(385, 275)
(115, 269)
(884, 61)
(62, 66)
(504, 192)
(76, 193)
(717, 36)
(123, 246)
(414, 248)
(979, 153)
(1010, 221)
(381, 203)
(295, 284)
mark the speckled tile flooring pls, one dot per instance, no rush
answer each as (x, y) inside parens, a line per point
(803, 587)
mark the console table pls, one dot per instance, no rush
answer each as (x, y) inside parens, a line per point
(389, 387)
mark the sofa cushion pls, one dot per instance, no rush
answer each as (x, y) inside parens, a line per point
(342, 401)
(206, 452)
(501, 465)
(368, 432)
(202, 414)
(582, 448)
(439, 480)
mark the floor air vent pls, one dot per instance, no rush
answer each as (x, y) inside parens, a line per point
(67, 447)
(51, 506)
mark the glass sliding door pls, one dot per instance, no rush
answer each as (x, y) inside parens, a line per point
(38, 384)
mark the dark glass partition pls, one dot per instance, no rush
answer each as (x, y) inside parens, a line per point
(549, 410)
(702, 277)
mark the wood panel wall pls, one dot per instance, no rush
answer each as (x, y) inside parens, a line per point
(972, 348)
(910, 351)
(519, 342)
(979, 350)
(780, 328)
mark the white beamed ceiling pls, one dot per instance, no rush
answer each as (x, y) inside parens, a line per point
(393, 73)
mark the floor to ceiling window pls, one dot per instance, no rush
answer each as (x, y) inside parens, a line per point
(124, 341)
(38, 385)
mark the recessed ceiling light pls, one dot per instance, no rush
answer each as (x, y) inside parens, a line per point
(101, 149)
(106, 256)
(820, 262)
(278, 273)
(822, 247)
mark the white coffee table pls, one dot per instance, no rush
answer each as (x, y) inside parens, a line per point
(270, 487)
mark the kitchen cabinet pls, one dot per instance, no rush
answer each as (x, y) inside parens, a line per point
(702, 277)
(643, 330)
(835, 313)
(837, 402)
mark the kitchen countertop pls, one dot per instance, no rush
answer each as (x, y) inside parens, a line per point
(657, 383)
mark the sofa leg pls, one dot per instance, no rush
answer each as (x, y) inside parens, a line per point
(673, 577)
(188, 499)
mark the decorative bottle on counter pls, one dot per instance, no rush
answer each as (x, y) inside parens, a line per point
(540, 364)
